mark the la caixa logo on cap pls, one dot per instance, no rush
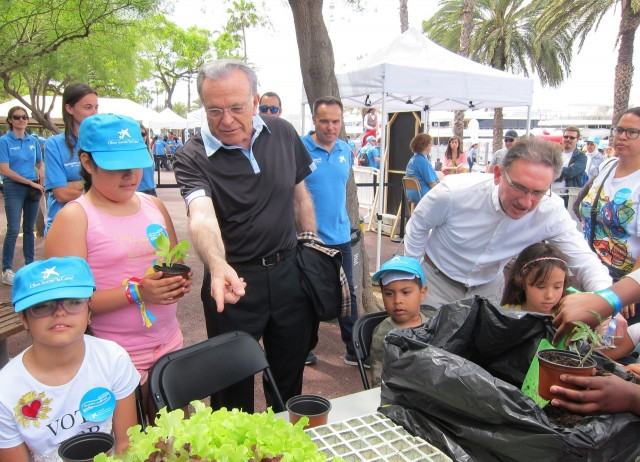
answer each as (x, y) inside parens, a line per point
(49, 276)
(124, 137)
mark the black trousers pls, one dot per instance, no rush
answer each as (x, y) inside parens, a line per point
(275, 309)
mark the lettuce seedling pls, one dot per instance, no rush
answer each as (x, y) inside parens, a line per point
(169, 255)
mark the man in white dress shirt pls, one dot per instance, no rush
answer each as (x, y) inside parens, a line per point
(469, 226)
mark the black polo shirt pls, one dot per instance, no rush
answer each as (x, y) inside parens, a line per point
(255, 211)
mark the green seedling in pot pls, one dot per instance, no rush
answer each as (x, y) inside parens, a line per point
(583, 331)
(169, 255)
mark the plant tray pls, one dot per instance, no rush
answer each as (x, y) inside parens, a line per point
(372, 437)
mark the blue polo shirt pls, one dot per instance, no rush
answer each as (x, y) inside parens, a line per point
(158, 147)
(420, 168)
(60, 168)
(22, 154)
(148, 180)
(327, 185)
(373, 151)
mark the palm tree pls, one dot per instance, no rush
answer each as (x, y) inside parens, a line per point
(585, 15)
(243, 15)
(504, 36)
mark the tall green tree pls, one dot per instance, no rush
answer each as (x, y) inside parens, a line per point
(40, 45)
(175, 53)
(243, 15)
(585, 16)
(504, 36)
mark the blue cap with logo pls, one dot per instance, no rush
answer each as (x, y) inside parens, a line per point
(52, 279)
(399, 268)
(114, 142)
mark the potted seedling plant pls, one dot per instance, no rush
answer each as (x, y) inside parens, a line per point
(169, 256)
(555, 362)
(221, 435)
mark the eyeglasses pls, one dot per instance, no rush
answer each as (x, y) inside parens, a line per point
(537, 195)
(273, 109)
(18, 117)
(567, 137)
(69, 305)
(508, 140)
(632, 133)
(216, 113)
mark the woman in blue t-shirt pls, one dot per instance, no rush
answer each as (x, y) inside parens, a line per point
(420, 167)
(62, 174)
(21, 168)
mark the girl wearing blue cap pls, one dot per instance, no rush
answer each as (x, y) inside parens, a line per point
(66, 382)
(114, 229)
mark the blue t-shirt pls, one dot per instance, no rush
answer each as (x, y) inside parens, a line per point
(60, 168)
(148, 180)
(158, 147)
(373, 151)
(22, 154)
(173, 145)
(420, 168)
(327, 185)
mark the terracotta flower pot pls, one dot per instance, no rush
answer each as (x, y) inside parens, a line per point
(553, 362)
(316, 408)
(83, 447)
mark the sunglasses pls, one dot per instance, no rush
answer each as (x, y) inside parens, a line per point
(69, 305)
(508, 140)
(144, 134)
(18, 117)
(567, 137)
(272, 109)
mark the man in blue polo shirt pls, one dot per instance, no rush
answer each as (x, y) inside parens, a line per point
(327, 185)
(160, 152)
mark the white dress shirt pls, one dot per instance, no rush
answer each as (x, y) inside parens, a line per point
(462, 227)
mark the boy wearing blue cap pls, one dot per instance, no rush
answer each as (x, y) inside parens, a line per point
(67, 382)
(403, 288)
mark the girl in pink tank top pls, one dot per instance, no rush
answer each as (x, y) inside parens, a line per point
(112, 227)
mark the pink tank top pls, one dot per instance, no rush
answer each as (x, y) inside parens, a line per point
(118, 249)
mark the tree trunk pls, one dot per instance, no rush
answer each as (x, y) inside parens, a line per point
(319, 79)
(404, 15)
(497, 129)
(629, 22)
(465, 37)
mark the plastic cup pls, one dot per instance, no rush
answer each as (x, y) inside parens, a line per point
(85, 446)
(315, 407)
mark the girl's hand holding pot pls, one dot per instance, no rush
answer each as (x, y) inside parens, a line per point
(160, 291)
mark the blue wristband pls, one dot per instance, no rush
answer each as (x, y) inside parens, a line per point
(612, 299)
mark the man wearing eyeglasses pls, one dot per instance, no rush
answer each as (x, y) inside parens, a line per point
(574, 164)
(510, 138)
(270, 104)
(469, 226)
(242, 178)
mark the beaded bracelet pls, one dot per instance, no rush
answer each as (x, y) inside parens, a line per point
(612, 299)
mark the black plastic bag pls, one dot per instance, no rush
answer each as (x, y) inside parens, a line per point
(456, 383)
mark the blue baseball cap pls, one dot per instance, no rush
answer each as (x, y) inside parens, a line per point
(114, 142)
(399, 268)
(52, 279)
(602, 146)
(594, 140)
(370, 138)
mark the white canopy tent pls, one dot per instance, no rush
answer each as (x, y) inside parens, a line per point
(167, 119)
(413, 73)
(105, 105)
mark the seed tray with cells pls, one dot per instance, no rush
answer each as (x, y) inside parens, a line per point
(375, 438)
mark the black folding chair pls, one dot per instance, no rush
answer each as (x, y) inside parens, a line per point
(207, 367)
(362, 335)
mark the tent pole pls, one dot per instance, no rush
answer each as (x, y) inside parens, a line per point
(383, 159)
(302, 119)
(528, 119)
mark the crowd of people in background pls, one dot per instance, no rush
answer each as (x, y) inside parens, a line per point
(253, 187)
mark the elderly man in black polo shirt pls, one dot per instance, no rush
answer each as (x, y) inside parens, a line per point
(242, 178)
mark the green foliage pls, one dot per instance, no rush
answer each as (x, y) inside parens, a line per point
(180, 108)
(582, 331)
(504, 35)
(221, 435)
(168, 255)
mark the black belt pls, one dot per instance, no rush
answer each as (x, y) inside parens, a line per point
(273, 259)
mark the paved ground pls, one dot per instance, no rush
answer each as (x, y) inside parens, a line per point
(330, 377)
